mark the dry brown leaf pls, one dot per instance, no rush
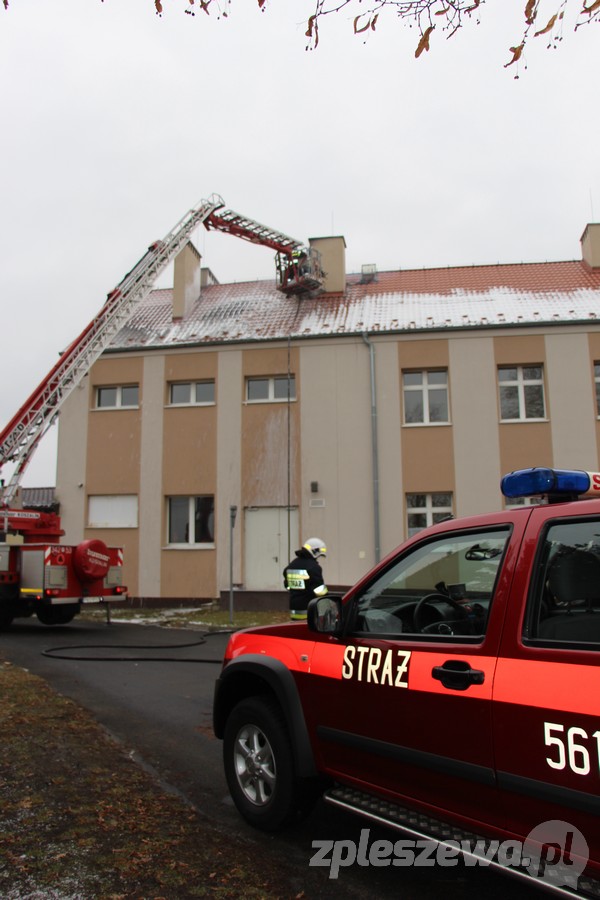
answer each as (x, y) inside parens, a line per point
(358, 30)
(424, 42)
(313, 30)
(516, 52)
(548, 27)
(531, 11)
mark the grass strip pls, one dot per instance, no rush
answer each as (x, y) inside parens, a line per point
(79, 819)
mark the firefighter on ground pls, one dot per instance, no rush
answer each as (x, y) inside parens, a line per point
(303, 577)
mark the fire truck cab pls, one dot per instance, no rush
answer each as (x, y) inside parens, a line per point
(452, 695)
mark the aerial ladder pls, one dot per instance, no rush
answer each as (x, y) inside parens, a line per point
(298, 272)
(298, 267)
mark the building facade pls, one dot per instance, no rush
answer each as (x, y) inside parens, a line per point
(359, 415)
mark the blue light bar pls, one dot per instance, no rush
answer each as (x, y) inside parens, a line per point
(530, 482)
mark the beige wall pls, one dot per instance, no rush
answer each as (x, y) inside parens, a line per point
(113, 454)
(390, 445)
(71, 469)
(114, 435)
(474, 412)
(229, 470)
(594, 357)
(270, 472)
(336, 452)
(151, 502)
(427, 451)
(189, 574)
(189, 365)
(523, 444)
(189, 455)
(570, 400)
(239, 451)
(189, 468)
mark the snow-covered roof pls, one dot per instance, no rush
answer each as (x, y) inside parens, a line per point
(38, 497)
(398, 301)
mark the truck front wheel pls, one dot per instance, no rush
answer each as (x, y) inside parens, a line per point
(259, 766)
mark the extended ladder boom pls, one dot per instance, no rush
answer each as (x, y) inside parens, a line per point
(20, 437)
(233, 223)
(298, 267)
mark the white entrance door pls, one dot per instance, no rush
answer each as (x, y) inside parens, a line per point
(266, 542)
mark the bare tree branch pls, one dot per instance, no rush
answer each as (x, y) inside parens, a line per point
(444, 17)
(448, 16)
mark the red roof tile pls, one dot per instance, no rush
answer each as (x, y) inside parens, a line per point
(429, 299)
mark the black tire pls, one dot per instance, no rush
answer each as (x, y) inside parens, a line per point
(259, 767)
(57, 615)
(5, 619)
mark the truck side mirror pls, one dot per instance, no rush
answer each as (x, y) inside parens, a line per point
(324, 614)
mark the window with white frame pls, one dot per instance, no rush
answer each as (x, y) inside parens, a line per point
(117, 396)
(425, 397)
(271, 389)
(192, 393)
(597, 381)
(521, 393)
(191, 520)
(113, 511)
(423, 510)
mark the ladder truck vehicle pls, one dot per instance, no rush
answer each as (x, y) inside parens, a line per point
(39, 574)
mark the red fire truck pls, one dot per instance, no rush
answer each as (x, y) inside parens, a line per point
(451, 696)
(40, 575)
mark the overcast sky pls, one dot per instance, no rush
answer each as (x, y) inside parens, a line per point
(115, 122)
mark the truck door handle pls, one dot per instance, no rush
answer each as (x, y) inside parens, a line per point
(457, 675)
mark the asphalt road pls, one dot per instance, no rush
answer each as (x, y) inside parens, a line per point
(159, 705)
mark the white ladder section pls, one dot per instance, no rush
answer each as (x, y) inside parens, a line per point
(26, 428)
(240, 226)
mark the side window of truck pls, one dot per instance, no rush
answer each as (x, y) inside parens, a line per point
(441, 588)
(564, 601)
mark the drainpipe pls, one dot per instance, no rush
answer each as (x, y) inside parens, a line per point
(375, 453)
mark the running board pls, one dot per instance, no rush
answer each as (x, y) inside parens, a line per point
(423, 827)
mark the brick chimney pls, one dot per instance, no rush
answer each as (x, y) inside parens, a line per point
(186, 280)
(333, 262)
(590, 245)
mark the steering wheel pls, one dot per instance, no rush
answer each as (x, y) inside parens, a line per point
(419, 618)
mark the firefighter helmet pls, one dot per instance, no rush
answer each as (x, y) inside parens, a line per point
(315, 547)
